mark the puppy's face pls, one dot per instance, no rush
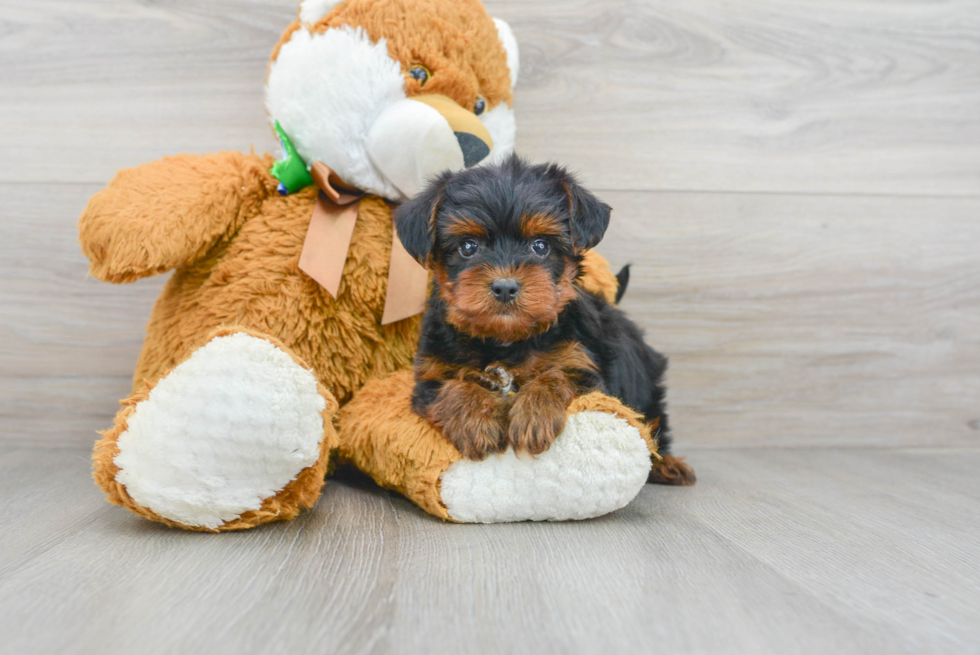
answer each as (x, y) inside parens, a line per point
(504, 244)
(505, 277)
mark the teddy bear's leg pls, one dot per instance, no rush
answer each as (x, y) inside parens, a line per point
(597, 465)
(237, 435)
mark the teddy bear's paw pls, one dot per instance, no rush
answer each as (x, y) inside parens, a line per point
(225, 439)
(597, 465)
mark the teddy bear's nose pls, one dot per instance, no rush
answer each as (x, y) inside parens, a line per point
(474, 148)
(472, 135)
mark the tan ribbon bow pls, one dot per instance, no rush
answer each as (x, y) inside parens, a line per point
(328, 240)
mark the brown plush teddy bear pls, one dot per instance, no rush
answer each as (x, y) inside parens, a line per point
(288, 294)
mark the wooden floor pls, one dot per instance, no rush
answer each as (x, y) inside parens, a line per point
(797, 185)
(774, 551)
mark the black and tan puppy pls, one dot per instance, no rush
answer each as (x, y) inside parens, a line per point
(509, 336)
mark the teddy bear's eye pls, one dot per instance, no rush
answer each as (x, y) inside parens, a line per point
(468, 248)
(420, 73)
(480, 106)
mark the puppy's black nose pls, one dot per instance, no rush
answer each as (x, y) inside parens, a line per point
(505, 289)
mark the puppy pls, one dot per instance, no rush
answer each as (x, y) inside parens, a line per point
(509, 336)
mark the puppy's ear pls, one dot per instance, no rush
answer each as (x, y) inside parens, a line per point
(590, 216)
(415, 220)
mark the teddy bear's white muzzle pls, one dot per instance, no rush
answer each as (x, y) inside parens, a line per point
(413, 140)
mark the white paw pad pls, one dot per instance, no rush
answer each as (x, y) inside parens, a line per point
(597, 465)
(225, 430)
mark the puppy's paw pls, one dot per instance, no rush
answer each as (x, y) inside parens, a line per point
(536, 420)
(477, 438)
(537, 414)
(673, 471)
(470, 418)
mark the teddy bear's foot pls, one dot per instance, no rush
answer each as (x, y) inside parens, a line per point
(237, 435)
(598, 463)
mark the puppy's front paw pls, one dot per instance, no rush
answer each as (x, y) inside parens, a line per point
(475, 439)
(537, 415)
(536, 420)
(470, 418)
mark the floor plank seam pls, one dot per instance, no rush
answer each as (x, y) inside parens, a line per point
(829, 193)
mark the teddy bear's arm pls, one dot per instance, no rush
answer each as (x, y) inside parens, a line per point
(169, 213)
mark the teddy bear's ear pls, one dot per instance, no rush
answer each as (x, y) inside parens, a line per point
(415, 220)
(310, 11)
(506, 36)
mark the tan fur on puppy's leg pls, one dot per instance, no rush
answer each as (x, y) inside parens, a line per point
(537, 415)
(673, 471)
(667, 469)
(470, 417)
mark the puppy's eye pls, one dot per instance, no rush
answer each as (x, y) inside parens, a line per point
(420, 73)
(540, 247)
(468, 248)
(480, 106)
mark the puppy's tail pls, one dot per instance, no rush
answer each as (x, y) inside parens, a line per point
(623, 277)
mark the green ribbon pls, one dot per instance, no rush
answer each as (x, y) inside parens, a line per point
(291, 171)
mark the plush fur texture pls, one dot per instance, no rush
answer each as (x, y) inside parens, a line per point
(509, 41)
(114, 464)
(233, 244)
(326, 89)
(510, 336)
(331, 78)
(404, 452)
(501, 124)
(310, 11)
(225, 430)
(411, 140)
(597, 465)
(441, 36)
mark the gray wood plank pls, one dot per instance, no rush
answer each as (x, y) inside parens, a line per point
(56, 320)
(47, 498)
(790, 320)
(774, 551)
(843, 96)
(808, 320)
(57, 411)
(890, 538)
(68, 343)
(833, 96)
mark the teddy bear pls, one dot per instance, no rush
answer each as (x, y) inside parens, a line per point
(282, 343)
